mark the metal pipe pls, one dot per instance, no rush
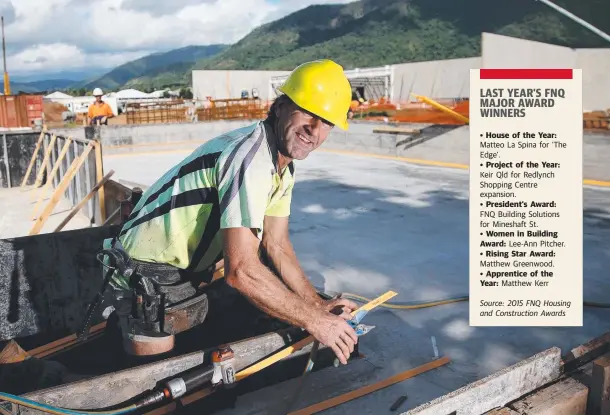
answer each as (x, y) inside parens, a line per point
(8, 170)
(577, 19)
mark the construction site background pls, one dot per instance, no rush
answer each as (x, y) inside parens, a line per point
(150, 111)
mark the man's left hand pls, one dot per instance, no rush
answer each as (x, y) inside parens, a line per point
(341, 306)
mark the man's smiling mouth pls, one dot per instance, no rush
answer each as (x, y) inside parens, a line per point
(306, 141)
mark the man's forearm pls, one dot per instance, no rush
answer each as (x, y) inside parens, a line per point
(267, 292)
(284, 259)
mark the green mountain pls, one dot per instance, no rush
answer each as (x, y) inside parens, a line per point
(38, 86)
(159, 70)
(379, 32)
(360, 34)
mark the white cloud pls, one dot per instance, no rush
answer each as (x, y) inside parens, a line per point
(60, 56)
(53, 35)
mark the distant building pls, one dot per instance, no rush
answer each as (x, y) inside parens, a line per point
(57, 95)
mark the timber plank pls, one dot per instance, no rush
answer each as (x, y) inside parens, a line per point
(586, 352)
(497, 389)
(502, 411)
(397, 130)
(566, 397)
(599, 397)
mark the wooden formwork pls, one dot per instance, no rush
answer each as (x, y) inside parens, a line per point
(545, 384)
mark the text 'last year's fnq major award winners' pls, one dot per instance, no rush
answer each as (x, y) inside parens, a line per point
(526, 197)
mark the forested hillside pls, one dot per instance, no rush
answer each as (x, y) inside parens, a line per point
(379, 32)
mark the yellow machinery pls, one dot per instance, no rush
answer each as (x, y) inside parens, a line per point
(7, 84)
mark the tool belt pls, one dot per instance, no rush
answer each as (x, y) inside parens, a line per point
(160, 301)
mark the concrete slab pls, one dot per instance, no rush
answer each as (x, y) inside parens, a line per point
(17, 207)
(367, 225)
(435, 143)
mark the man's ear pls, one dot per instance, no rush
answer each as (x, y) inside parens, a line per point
(283, 104)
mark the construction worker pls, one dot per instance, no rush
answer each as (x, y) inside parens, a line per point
(224, 205)
(99, 111)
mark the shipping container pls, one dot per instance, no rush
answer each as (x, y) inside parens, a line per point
(20, 110)
(35, 108)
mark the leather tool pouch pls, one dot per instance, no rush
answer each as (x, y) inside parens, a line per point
(165, 304)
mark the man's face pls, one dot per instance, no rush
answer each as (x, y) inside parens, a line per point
(300, 131)
(98, 98)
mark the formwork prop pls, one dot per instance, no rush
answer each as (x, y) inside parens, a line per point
(45, 161)
(96, 188)
(99, 168)
(45, 189)
(61, 188)
(33, 159)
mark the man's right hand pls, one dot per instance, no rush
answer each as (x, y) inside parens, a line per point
(334, 332)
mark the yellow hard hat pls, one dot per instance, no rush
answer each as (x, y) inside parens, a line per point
(321, 88)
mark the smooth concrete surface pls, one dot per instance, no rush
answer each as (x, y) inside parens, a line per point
(451, 147)
(361, 137)
(595, 65)
(74, 132)
(447, 78)
(17, 207)
(444, 144)
(223, 84)
(365, 225)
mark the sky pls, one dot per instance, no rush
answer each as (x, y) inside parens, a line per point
(50, 36)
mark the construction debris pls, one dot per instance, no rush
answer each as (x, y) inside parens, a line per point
(398, 402)
(53, 112)
(13, 353)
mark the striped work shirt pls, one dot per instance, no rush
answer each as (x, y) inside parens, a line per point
(230, 181)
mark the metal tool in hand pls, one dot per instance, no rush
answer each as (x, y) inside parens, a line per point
(360, 329)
